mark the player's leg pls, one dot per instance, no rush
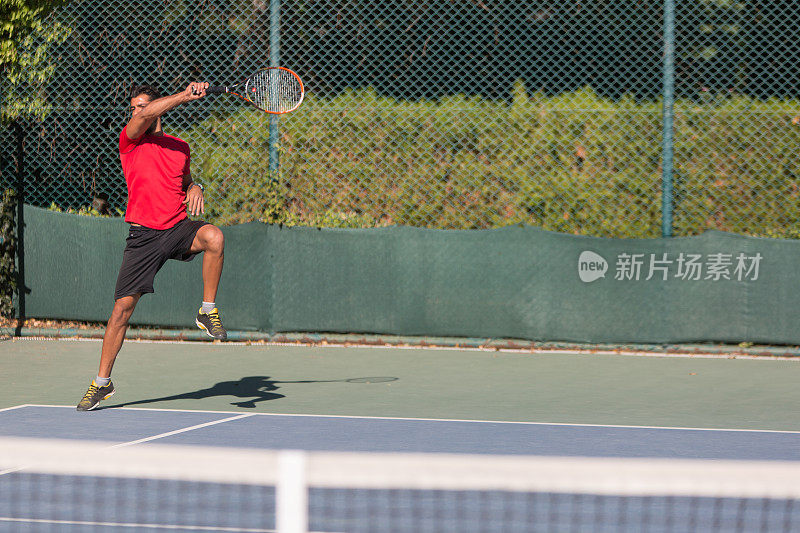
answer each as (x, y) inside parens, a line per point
(102, 388)
(210, 240)
(141, 260)
(115, 333)
(184, 241)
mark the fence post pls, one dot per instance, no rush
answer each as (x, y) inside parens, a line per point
(668, 113)
(274, 59)
(20, 135)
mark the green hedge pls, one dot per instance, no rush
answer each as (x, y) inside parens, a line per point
(573, 163)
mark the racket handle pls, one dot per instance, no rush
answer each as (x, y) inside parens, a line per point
(216, 89)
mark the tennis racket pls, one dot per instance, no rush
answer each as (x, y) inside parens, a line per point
(275, 90)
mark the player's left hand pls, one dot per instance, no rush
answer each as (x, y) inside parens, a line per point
(195, 203)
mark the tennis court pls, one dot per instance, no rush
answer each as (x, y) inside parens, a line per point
(509, 180)
(396, 440)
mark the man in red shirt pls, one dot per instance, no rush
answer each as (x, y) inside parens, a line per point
(160, 192)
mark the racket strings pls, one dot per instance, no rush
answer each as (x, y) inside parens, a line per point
(275, 90)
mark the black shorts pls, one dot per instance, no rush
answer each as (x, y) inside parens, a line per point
(147, 250)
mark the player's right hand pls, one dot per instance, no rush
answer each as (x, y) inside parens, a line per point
(196, 90)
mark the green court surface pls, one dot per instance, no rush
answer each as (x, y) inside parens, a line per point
(605, 389)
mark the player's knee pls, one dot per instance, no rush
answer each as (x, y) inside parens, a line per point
(123, 309)
(215, 240)
(119, 317)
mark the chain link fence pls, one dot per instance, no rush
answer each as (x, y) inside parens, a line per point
(434, 113)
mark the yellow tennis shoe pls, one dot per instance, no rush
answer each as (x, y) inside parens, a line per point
(211, 324)
(94, 395)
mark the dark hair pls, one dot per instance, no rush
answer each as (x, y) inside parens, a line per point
(149, 90)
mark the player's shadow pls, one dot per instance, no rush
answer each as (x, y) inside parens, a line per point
(252, 389)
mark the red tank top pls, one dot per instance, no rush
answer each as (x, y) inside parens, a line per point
(155, 168)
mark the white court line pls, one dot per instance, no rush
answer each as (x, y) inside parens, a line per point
(127, 524)
(146, 439)
(525, 351)
(15, 407)
(178, 431)
(511, 422)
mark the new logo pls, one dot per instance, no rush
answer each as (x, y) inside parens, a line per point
(591, 267)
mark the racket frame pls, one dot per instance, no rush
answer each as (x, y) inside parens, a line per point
(243, 86)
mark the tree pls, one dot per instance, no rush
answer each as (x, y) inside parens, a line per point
(24, 40)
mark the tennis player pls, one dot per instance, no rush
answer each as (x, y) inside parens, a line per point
(160, 192)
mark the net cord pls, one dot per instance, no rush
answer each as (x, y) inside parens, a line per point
(611, 476)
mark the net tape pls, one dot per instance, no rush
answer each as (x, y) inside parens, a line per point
(310, 486)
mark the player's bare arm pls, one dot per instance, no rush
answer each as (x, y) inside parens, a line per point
(145, 112)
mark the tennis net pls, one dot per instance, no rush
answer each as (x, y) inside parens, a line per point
(92, 486)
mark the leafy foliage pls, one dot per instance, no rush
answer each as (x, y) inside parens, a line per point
(563, 162)
(24, 42)
(436, 132)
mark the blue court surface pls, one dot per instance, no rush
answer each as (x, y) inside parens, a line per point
(148, 505)
(373, 434)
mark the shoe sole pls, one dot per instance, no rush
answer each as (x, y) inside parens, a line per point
(201, 326)
(106, 397)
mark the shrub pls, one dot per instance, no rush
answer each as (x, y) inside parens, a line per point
(575, 163)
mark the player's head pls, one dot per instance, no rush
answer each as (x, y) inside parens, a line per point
(151, 91)
(140, 96)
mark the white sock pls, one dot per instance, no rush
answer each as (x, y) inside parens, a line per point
(207, 307)
(101, 382)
